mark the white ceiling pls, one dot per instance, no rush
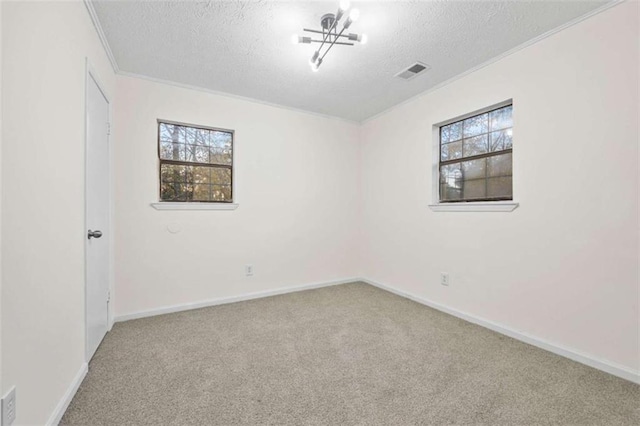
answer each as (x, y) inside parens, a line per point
(244, 47)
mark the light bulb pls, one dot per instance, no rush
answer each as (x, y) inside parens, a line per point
(295, 39)
(313, 59)
(316, 65)
(362, 38)
(354, 15)
(344, 5)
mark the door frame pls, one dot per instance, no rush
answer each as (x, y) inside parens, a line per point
(91, 74)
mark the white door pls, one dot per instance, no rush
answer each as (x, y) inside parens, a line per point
(97, 215)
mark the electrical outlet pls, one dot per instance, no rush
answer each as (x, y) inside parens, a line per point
(248, 270)
(444, 278)
(9, 407)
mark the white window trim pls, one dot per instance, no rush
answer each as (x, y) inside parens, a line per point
(485, 206)
(168, 205)
(463, 206)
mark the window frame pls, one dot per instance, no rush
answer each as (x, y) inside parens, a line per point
(202, 203)
(480, 205)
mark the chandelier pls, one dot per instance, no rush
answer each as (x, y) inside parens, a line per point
(330, 35)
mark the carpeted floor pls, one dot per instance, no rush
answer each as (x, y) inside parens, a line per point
(344, 355)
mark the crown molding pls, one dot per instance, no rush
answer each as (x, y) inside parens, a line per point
(232, 96)
(116, 69)
(495, 59)
(103, 38)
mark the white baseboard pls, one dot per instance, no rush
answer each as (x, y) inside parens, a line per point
(57, 414)
(112, 320)
(606, 366)
(231, 299)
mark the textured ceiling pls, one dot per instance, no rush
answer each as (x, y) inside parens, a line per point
(244, 47)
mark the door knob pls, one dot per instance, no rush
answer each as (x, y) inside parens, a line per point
(94, 234)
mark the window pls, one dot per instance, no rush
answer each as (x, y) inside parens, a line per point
(196, 163)
(476, 157)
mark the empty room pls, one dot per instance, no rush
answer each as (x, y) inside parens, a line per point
(257, 212)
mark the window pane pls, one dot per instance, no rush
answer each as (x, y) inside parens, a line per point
(450, 182)
(221, 149)
(166, 150)
(183, 143)
(445, 134)
(476, 125)
(500, 165)
(168, 191)
(450, 174)
(474, 169)
(474, 189)
(202, 137)
(448, 193)
(475, 145)
(477, 179)
(456, 131)
(501, 118)
(174, 192)
(219, 156)
(201, 192)
(172, 151)
(201, 175)
(451, 151)
(220, 176)
(500, 187)
(221, 140)
(166, 132)
(451, 132)
(501, 140)
(221, 193)
(191, 135)
(194, 183)
(179, 134)
(174, 173)
(197, 154)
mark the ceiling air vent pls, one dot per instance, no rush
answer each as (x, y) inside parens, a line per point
(412, 71)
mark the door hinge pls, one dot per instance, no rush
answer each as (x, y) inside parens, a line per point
(109, 296)
(108, 129)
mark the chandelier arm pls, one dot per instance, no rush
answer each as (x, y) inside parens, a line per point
(331, 45)
(336, 42)
(335, 22)
(321, 32)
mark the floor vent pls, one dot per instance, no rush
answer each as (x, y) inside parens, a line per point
(412, 71)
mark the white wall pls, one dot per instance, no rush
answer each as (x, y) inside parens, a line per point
(1, 387)
(296, 182)
(564, 265)
(44, 50)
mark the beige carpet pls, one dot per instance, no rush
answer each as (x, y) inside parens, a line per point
(344, 355)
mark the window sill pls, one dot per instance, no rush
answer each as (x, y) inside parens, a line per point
(494, 206)
(194, 206)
